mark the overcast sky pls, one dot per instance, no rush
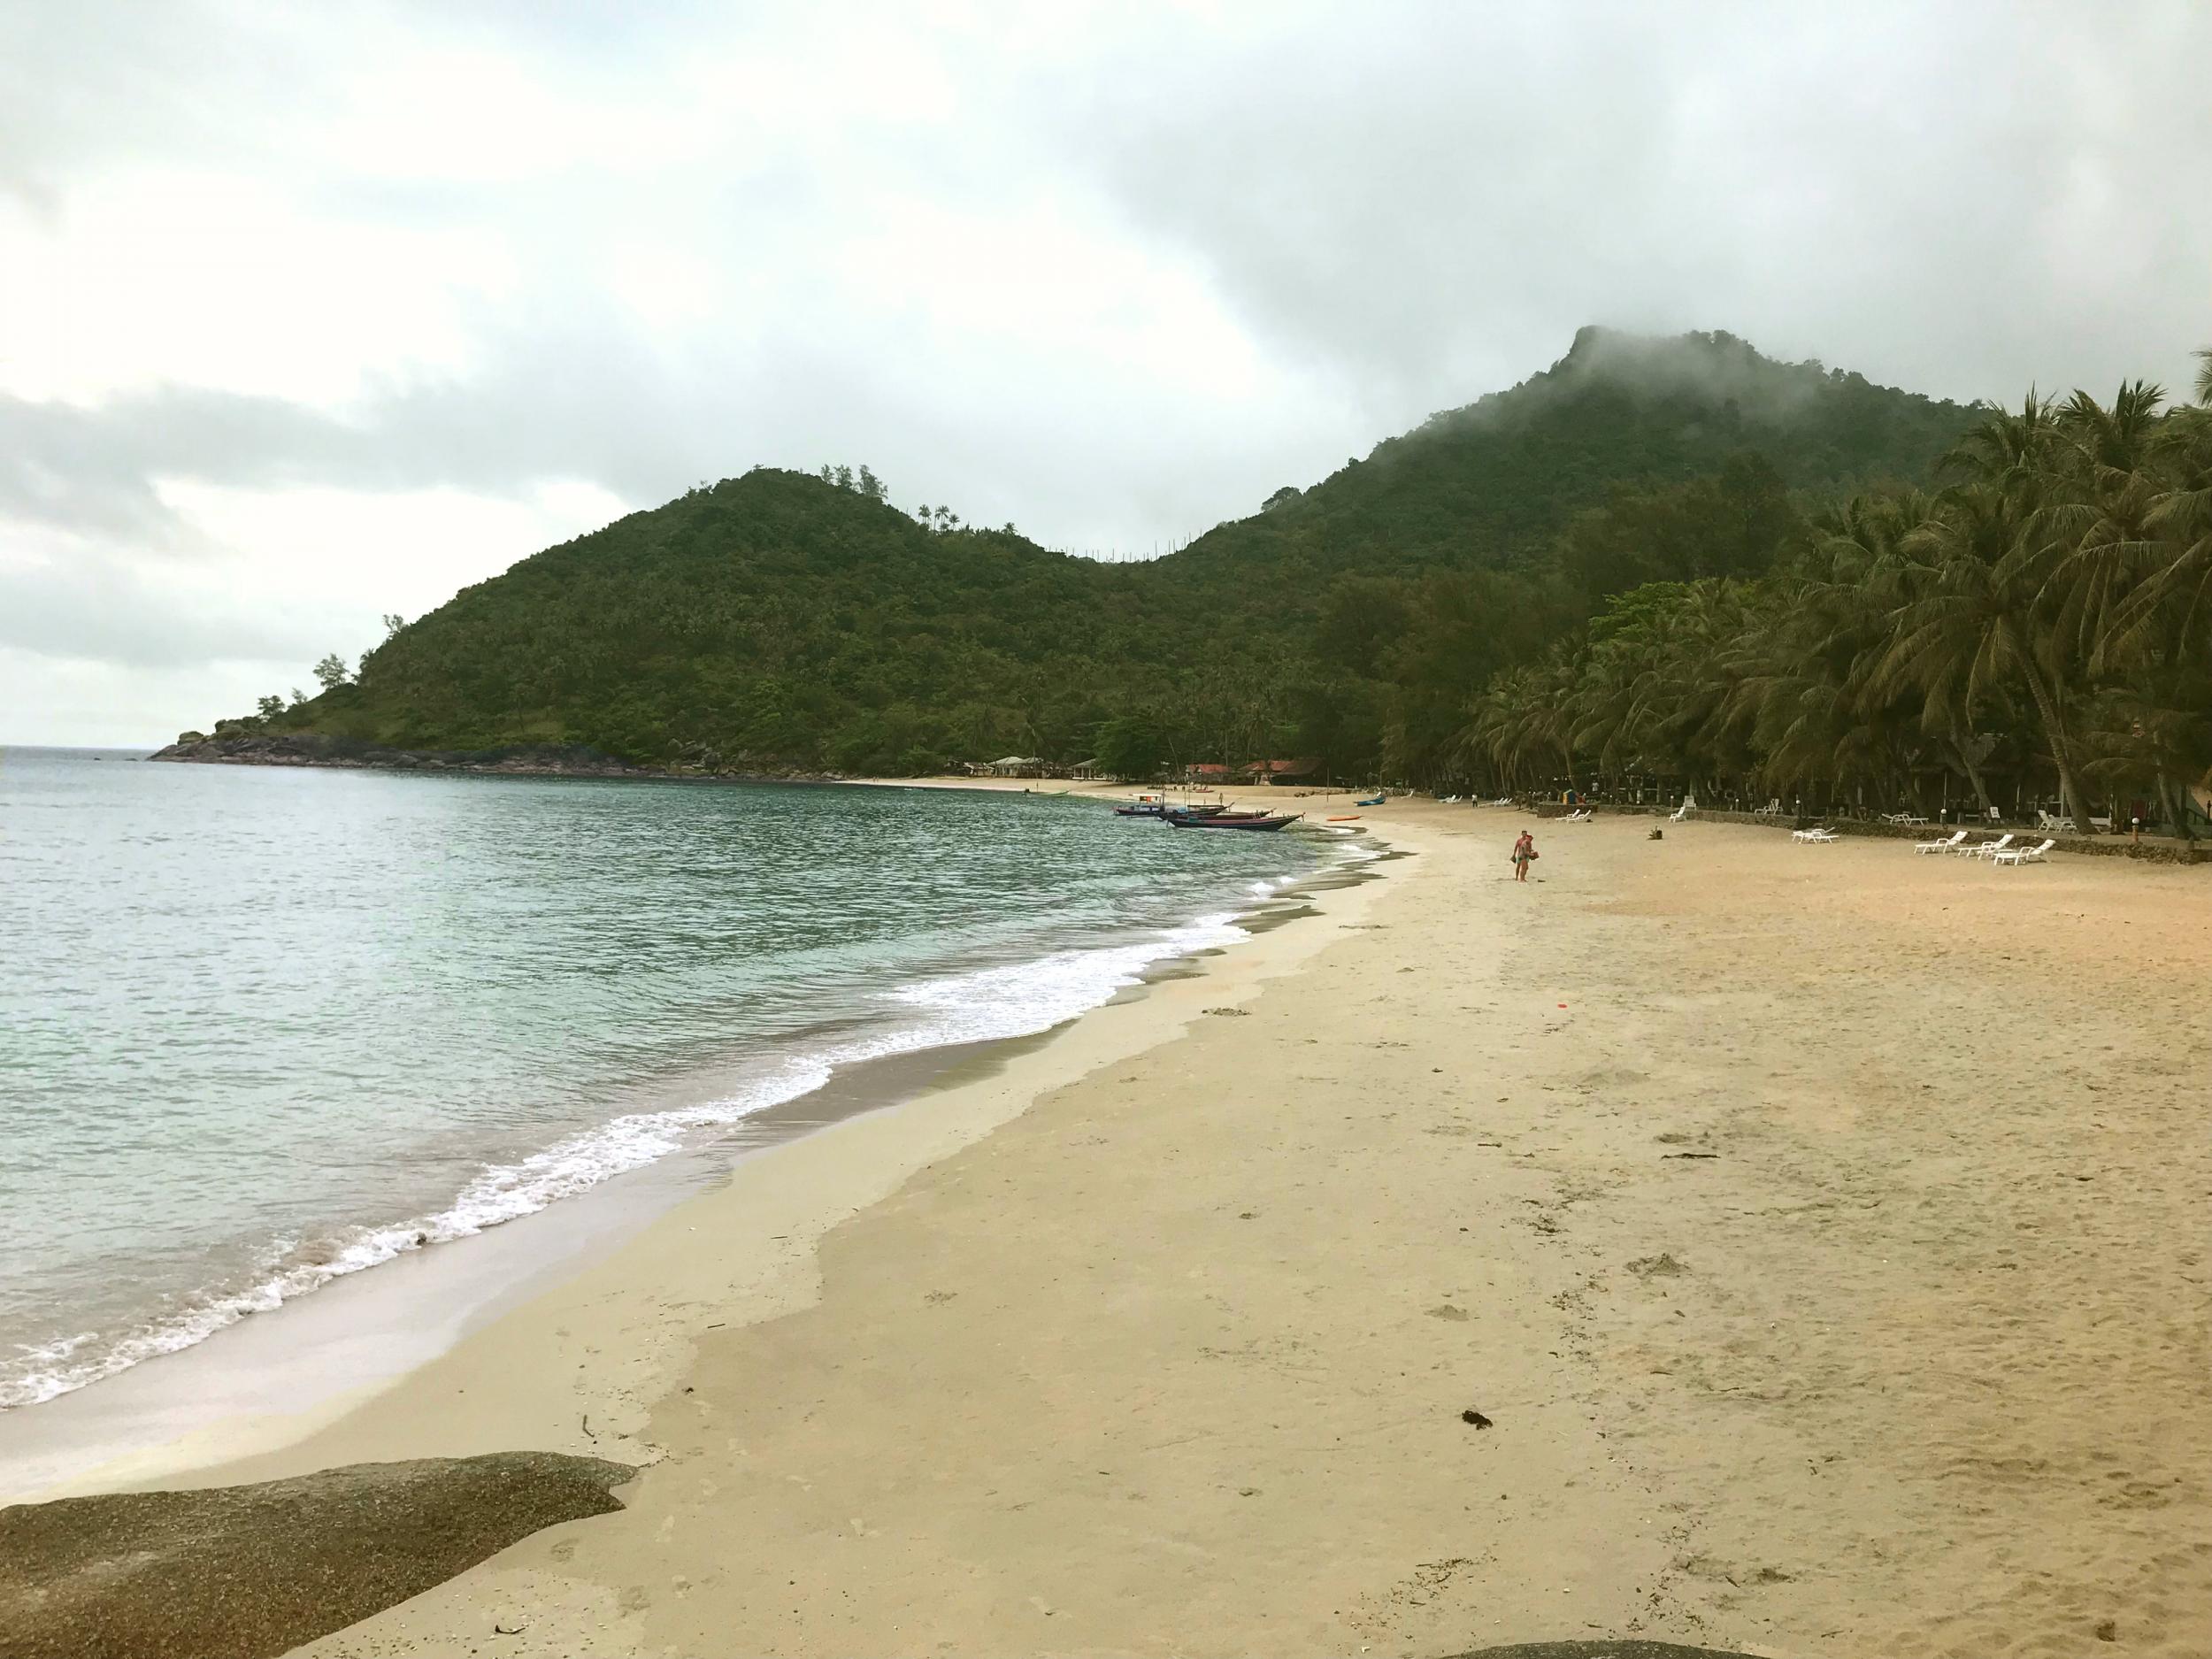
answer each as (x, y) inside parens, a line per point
(313, 313)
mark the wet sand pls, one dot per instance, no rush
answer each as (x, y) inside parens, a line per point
(1814, 1234)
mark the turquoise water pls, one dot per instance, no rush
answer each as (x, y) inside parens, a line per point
(260, 1028)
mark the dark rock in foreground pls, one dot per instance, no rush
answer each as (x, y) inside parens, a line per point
(233, 1573)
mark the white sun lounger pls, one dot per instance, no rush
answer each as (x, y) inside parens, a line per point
(1940, 847)
(1821, 835)
(2018, 856)
(1985, 850)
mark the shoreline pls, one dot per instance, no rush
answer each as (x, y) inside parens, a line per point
(1811, 1228)
(277, 1375)
(313, 749)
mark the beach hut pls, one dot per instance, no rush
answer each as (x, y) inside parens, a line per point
(1017, 766)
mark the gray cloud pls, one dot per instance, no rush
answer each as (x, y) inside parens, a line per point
(1401, 206)
(98, 608)
(1960, 199)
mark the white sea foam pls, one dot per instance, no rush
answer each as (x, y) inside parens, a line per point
(1012, 1000)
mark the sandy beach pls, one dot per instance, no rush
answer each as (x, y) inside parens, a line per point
(1815, 1235)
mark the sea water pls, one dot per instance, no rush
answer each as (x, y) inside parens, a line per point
(262, 1027)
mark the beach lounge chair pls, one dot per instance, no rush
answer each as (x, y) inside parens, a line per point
(1582, 816)
(1819, 835)
(2018, 856)
(1987, 850)
(1772, 808)
(1941, 846)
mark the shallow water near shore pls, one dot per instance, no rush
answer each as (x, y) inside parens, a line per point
(268, 1028)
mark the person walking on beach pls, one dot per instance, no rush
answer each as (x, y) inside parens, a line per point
(1523, 855)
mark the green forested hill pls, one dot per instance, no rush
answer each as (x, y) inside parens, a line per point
(778, 620)
(1495, 479)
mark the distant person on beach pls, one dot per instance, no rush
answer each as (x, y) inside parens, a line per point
(1523, 855)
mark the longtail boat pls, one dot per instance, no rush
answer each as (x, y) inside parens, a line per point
(1212, 815)
(1258, 821)
(1168, 809)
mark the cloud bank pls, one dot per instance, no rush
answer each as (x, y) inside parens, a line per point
(308, 314)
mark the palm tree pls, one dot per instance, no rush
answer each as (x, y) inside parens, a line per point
(2099, 500)
(1518, 726)
(1976, 619)
(2156, 723)
(2161, 733)
(2012, 452)
(2204, 376)
(2171, 609)
(1845, 596)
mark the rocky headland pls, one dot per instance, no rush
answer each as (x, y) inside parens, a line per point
(311, 748)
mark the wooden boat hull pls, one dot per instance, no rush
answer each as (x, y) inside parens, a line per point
(1236, 822)
(1198, 810)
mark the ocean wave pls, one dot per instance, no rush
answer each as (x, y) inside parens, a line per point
(1009, 1000)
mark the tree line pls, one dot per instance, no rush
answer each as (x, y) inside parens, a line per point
(2041, 617)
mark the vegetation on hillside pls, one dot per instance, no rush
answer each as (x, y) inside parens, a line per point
(2042, 624)
(781, 620)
